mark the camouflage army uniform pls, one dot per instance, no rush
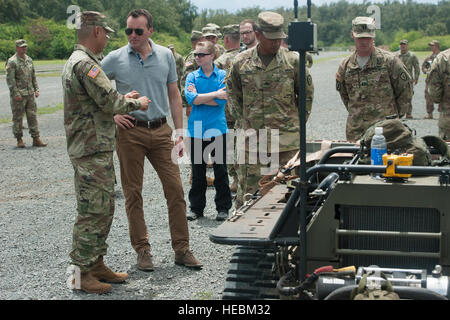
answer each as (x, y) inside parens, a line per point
(21, 79)
(266, 98)
(439, 90)
(179, 61)
(90, 103)
(382, 88)
(426, 65)
(225, 62)
(411, 63)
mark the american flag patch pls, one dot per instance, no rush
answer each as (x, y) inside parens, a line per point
(94, 72)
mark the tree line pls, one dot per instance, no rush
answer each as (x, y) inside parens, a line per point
(43, 22)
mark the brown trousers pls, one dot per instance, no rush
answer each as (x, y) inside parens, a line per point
(133, 146)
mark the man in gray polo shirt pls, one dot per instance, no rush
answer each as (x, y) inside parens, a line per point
(149, 69)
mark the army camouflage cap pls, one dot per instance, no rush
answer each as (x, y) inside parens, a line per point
(363, 27)
(94, 18)
(21, 43)
(209, 31)
(231, 29)
(433, 43)
(216, 27)
(270, 24)
(404, 41)
(196, 35)
(171, 46)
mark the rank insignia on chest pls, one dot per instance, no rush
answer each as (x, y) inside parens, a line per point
(94, 72)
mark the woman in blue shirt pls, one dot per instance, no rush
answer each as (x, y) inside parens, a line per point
(207, 129)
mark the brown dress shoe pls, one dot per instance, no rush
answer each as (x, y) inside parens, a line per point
(38, 143)
(20, 143)
(144, 261)
(187, 259)
(103, 273)
(89, 284)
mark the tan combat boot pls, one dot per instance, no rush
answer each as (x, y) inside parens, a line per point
(89, 284)
(38, 143)
(20, 143)
(103, 273)
(429, 116)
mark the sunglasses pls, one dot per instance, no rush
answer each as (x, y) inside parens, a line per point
(201, 55)
(129, 31)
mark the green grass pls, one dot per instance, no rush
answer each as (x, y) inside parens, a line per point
(40, 111)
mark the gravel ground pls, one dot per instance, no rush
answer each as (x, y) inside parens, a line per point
(38, 208)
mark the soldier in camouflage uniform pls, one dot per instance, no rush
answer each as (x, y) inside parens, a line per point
(231, 38)
(426, 67)
(90, 103)
(411, 63)
(23, 88)
(179, 62)
(372, 82)
(439, 90)
(212, 34)
(263, 87)
(189, 66)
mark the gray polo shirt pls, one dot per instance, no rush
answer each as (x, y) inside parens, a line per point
(149, 77)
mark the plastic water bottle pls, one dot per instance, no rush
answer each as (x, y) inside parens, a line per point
(378, 147)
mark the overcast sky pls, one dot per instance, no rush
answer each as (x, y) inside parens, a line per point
(233, 5)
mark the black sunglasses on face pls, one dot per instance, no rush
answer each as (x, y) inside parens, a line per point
(129, 31)
(201, 55)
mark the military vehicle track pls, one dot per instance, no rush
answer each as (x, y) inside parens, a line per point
(250, 275)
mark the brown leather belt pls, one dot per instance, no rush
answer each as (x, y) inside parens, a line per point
(153, 124)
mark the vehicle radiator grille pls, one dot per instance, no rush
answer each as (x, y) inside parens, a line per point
(389, 237)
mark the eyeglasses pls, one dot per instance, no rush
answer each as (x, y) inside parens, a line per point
(201, 55)
(246, 32)
(129, 31)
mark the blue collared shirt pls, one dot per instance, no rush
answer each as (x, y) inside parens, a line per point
(149, 77)
(206, 121)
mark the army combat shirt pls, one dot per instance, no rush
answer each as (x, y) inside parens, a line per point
(411, 62)
(381, 88)
(267, 97)
(90, 103)
(439, 86)
(21, 76)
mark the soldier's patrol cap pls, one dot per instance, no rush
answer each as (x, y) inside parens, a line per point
(171, 46)
(196, 35)
(216, 27)
(404, 41)
(433, 43)
(21, 43)
(209, 31)
(270, 24)
(363, 27)
(94, 18)
(231, 29)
